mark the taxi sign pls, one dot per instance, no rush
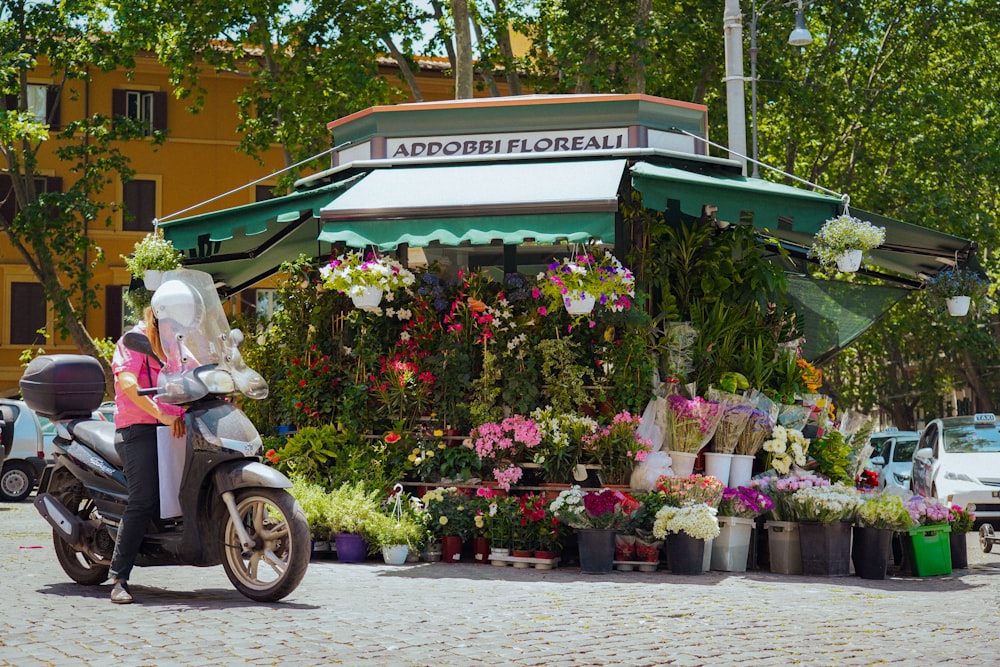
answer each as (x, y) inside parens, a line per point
(984, 418)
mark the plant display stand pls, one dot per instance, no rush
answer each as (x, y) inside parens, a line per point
(537, 563)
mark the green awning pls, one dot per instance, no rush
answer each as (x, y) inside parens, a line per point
(772, 206)
(833, 313)
(242, 245)
(510, 202)
(793, 215)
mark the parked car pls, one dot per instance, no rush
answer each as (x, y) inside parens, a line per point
(958, 461)
(893, 457)
(26, 458)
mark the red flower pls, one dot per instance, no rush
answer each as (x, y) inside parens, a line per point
(271, 456)
(392, 437)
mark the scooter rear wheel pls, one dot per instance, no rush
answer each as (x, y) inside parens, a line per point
(81, 567)
(277, 561)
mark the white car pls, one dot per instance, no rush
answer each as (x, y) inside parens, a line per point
(26, 458)
(958, 461)
(893, 457)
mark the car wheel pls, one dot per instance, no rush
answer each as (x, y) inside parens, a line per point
(16, 481)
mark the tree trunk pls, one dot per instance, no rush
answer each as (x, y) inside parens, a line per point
(463, 50)
(981, 393)
(503, 42)
(484, 66)
(637, 75)
(448, 45)
(404, 68)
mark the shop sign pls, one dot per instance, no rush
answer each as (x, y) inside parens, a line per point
(508, 143)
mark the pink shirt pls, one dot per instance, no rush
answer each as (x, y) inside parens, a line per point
(147, 370)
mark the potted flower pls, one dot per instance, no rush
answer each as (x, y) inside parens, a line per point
(785, 447)
(501, 446)
(959, 288)
(581, 281)
(617, 448)
(843, 240)
(365, 279)
(560, 450)
(394, 536)
(826, 514)
(738, 509)
(686, 530)
(450, 518)
(596, 517)
(153, 255)
(879, 516)
(928, 547)
(782, 528)
(962, 521)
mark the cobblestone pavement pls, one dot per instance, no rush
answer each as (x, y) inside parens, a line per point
(468, 614)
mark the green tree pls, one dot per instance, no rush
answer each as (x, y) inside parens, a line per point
(50, 227)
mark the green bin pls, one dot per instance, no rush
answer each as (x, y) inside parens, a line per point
(930, 550)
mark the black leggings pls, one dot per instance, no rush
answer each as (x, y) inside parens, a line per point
(136, 445)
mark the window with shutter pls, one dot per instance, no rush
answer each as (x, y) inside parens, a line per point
(27, 314)
(139, 200)
(147, 107)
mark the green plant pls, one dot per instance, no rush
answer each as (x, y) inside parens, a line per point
(843, 233)
(565, 379)
(449, 512)
(352, 508)
(832, 456)
(560, 449)
(387, 530)
(312, 498)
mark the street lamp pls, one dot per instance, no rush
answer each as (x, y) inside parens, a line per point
(799, 37)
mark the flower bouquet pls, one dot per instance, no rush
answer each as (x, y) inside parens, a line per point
(694, 488)
(759, 425)
(690, 423)
(596, 278)
(785, 446)
(355, 275)
(781, 489)
(695, 519)
(927, 511)
(560, 449)
(843, 234)
(826, 504)
(735, 413)
(884, 511)
(605, 509)
(962, 519)
(502, 444)
(744, 502)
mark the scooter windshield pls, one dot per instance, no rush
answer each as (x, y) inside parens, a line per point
(194, 332)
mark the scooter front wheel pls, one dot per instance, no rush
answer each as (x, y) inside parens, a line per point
(276, 562)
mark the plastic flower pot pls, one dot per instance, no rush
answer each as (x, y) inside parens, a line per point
(395, 554)
(686, 554)
(783, 547)
(825, 548)
(870, 551)
(579, 304)
(731, 549)
(351, 547)
(929, 550)
(597, 550)
(369, 298)
(958, 306)
(849, 261)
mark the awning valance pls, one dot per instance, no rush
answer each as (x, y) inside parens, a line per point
(793, 215)
(478, 204)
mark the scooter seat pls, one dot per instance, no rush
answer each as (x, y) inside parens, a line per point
(100, 436)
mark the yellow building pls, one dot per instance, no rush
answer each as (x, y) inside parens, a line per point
(198, 162)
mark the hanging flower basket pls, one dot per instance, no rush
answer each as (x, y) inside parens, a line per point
(842, 235)
(958, 306)
(850, 261)
(363, 279)
(583, 281)
(579, 303)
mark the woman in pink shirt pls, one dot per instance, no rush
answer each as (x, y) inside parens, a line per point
(136, 419)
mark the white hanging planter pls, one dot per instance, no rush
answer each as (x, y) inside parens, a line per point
(849, 261)
(152, 278)
(579, 303)
(395, 554)
(958, 306)
(369, 299)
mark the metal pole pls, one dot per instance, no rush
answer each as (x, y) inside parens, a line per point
(755, 171)
(735, 88)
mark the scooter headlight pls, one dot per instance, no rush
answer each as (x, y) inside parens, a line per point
(217, 381)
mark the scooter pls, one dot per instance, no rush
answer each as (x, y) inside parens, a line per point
(234, 509)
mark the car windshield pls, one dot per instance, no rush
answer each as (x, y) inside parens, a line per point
(972, 440)
(903, 451)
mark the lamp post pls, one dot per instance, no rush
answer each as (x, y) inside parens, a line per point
(799, 37)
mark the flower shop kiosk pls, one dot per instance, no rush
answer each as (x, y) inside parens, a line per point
(477, 221)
